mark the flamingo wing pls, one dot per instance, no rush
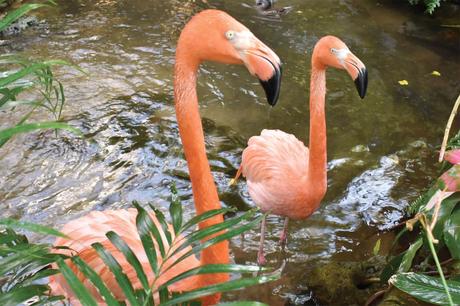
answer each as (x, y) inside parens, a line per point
(92, 228)
(275, 165)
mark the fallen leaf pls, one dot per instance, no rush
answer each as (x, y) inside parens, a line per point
(376, 248)
(403, 83)
(436, 73)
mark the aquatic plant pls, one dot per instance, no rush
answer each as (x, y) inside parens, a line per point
(20, 76)
(435, 218)
(25, 266)
(430, 5)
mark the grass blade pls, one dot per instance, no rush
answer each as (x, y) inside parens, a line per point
(36, 228)
(17, 13)
(28, 127)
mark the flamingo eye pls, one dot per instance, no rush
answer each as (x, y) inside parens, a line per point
(230, 35)
(334, 51)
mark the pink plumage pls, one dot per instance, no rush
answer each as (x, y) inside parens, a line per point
(92, 228)
(275, 165)
(284, 177)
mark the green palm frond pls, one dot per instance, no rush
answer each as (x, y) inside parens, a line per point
(23, 263)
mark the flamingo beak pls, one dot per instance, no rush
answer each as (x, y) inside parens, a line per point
(262, 62)
(361, 82)
(272, 85)
(358, 73)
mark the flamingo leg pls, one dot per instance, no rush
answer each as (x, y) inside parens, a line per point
(260, 255)
(235, 179)
(283, 236)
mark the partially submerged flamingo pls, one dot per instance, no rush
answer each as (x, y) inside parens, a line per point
(284, 177)
(210, 35)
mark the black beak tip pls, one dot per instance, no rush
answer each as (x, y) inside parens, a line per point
(361, 82)
(272, 86)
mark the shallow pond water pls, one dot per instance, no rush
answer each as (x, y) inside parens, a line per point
(381, 150)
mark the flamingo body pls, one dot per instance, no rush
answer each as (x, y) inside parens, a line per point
(275, 165)
(210, 35)
(123, 222)
(284, 177)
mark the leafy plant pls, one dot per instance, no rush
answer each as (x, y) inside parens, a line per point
(34, 78)
(436, 218)
(430, 5)
(29, 262)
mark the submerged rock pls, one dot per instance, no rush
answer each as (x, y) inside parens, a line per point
(20, 25)
(344, 283)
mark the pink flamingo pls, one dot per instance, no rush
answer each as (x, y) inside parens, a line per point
(210, 35)
(285, 178)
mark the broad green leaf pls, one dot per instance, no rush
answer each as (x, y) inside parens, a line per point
(84, 296)
(22, 294)
(409, 255)
(447, 206)
(36, 228)
(122, 280)
(28, 127)
(17, 13)
(426, 288)
(96, 280)
(175, 210)
(212, 269)
(123, 247)
(391, 268)
(452, 234)
(224, 287)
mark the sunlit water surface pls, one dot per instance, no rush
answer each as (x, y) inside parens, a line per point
(381, 150)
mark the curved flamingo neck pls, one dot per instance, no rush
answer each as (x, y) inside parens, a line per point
(317, 162)
(191, 133)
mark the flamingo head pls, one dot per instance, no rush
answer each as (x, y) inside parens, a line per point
(213, 35)
(332, 52)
